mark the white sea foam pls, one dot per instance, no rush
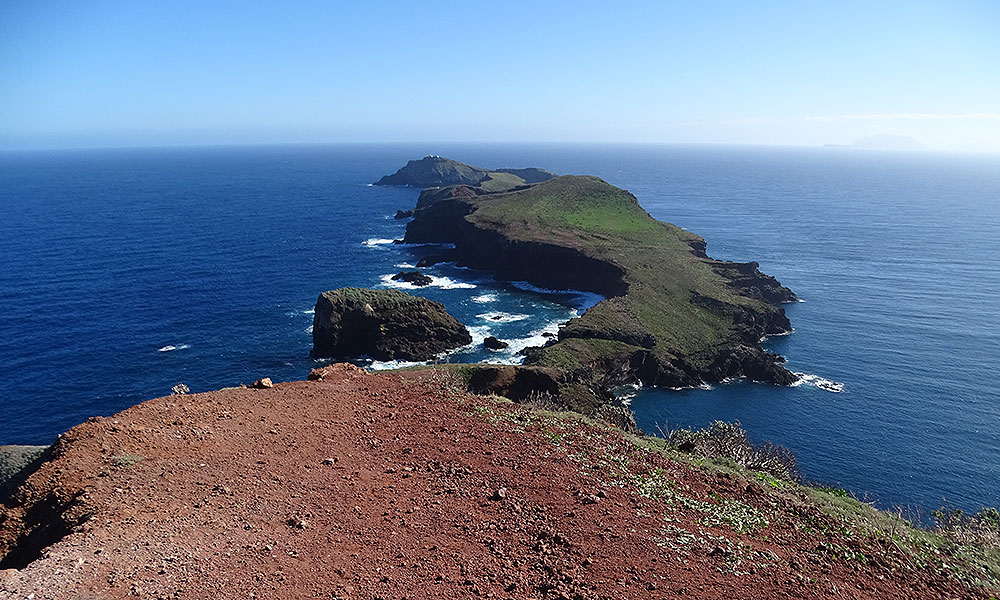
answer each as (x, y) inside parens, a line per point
(172, 348)
(582, 302)
(479, 334)
(501, 317)
(380, 365)
(309, 329)
(534, 338)
(484, 298)
(771, 335)
(377, 242)
(818, 382)
(700, 386)
(406, 266)
(445, 283)
(311, 311)
(626, 393)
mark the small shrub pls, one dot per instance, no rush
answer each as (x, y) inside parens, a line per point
(127, 460)
(543, 401)
(728, 441)
(980, 529)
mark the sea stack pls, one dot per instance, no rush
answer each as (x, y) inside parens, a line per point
(384, 325)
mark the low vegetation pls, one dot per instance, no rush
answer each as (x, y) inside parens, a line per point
(959, 546)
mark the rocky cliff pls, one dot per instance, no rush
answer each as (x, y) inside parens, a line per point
(672, 317)
(384, 325)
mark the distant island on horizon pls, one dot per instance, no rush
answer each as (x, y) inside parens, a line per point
(882, 141)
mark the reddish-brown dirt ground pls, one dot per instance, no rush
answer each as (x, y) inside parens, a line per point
(397, 486)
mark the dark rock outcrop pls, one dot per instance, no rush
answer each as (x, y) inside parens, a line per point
(433, 259)
(384, 325)
(415, 277)
(493, 343)
(748, 279)
(403, 214)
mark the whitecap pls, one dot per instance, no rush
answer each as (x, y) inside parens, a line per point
(445, 283)
(311, 311)
(484, 298)
(818, 382)
(172, 348)
(501, 317)
(406, 266)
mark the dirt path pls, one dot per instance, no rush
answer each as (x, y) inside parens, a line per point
(376, 486)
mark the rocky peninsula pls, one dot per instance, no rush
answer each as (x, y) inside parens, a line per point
(672, 316)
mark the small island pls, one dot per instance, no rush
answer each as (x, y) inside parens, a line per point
(435, 171)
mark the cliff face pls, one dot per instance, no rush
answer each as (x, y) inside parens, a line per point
(383, 324)
(673, 316)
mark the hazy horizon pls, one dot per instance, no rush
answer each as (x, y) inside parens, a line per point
(136, 74)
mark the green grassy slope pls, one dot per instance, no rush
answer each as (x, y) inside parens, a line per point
(662, 272)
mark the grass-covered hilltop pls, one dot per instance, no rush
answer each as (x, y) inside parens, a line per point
(672, 316)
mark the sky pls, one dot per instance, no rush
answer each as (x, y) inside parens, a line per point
(136, 73)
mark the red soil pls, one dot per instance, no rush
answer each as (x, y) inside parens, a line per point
(391, 486)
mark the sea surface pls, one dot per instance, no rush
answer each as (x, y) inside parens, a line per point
(125, 272)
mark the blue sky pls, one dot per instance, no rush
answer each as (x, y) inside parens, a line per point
(802, 73)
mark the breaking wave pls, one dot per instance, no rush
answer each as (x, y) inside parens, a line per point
(445, 283)
(818, 382)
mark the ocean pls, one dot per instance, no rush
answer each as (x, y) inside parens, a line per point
(125, 272)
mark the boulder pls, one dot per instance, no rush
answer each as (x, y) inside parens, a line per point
(403, 214)
(492, 343)
(415, 277)
(384, 325)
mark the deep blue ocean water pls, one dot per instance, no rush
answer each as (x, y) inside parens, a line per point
(124, 272)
